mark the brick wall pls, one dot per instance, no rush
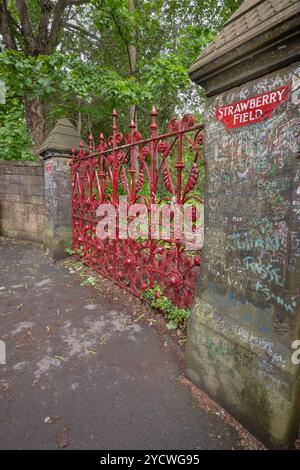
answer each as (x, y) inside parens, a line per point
(22, 200)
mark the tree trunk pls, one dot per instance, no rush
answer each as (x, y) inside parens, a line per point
(132, 54)
(79, 122)
(35, 120)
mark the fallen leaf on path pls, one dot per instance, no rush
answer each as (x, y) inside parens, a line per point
(63, 438)
(60, 358)
(52, 419)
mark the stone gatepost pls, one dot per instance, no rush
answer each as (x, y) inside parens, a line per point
(56, 151)
(243, 329)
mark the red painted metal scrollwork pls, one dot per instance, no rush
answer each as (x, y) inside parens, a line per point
(161, 169)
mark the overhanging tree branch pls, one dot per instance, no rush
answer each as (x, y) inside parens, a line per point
(123, 38)
(26, 26)
(79, 29)
(58, 20)
(46, 7)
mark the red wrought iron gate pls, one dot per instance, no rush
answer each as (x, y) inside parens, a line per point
(161, 169)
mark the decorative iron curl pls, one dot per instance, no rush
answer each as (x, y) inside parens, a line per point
(119, 139)
(188, 121)
(174, 125)
(163, 147)
(132, 139)
(199, 137)
(145, 152)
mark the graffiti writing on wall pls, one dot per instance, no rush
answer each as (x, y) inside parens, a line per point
(253, 203)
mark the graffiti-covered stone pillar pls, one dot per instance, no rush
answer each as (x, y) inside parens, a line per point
(56, 152)
(242, 337)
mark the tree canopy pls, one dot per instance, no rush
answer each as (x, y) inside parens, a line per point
(80, 59)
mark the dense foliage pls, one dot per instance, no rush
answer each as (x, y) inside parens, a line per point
(80, 59)
(15, 142)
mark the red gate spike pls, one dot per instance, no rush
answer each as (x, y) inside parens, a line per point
(101, 177)
(81, 153)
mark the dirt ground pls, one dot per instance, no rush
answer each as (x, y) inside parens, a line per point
(91, 367)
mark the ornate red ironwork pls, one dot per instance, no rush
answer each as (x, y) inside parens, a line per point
(161, 169)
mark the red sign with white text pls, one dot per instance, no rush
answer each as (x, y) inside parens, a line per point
(251, 110)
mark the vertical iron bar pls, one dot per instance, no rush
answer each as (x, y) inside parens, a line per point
(81, 183)
(101, 173)
(152, 187)
(179, 166)
(91, 167)
(115, 159)
(91, 206)
(73, 197)
(115, 186)
(132, 161)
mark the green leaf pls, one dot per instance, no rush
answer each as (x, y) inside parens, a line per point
(171, 325)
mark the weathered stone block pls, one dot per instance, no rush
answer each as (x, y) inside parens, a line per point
(22, 203)
(22, 234)
(40, 171)
(35, 200)
(22, 189)
(10, 208)
(24, 179)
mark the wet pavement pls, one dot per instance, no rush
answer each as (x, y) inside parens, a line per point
(81, 373)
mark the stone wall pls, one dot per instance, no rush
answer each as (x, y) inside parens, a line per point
(247, 311)
(22, 200)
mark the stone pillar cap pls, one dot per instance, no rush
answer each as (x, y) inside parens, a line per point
(61, 139)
